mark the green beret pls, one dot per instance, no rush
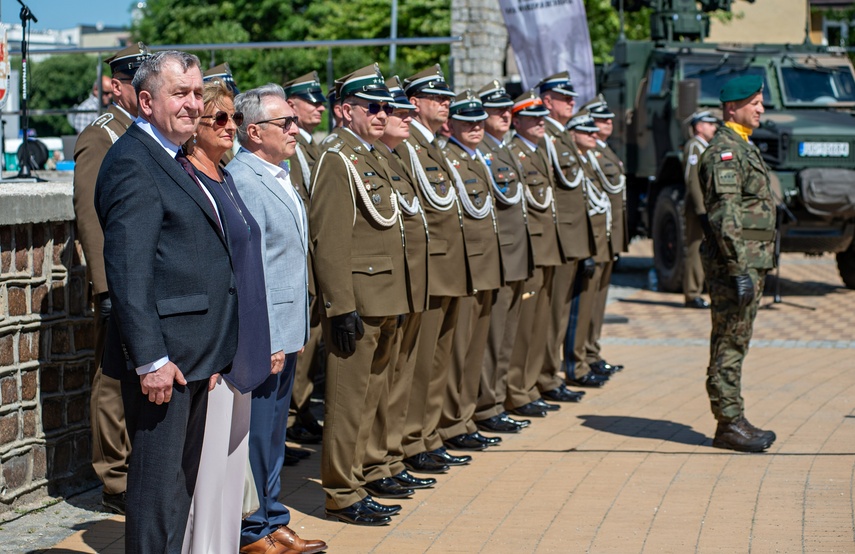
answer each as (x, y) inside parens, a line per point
(741, 88)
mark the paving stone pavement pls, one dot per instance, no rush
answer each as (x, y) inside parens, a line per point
(631, 468)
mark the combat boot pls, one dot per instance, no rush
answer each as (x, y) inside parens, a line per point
(768, 435)
(736, 435)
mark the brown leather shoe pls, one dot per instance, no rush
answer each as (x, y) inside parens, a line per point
(736, 435)
(289, 538)
(266, 545)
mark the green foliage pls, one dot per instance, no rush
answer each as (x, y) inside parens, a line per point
(60, 82)
(604, 27)
(212, 21)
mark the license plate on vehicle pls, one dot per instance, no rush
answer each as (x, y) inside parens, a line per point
(824, 149)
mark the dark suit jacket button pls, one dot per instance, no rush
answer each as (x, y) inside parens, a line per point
(328, 305)
(232, 290)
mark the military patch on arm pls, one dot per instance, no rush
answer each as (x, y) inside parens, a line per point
(726, 180)
(693, 159)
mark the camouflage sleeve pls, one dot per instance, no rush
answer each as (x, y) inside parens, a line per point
(694, 193)
(722, 173)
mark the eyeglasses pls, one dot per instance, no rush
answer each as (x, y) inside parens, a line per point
(221, 118)
(374, 108)
(287, 121)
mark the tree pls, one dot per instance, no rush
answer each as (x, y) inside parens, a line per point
(212, 21)
(604, 27)
(60, 82)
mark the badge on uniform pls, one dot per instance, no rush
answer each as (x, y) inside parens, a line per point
(726, 156)
(369, 174)
(488, 158)
(522, 155)
(693, 159)
(375, 198)
(455, 163)
(354, 159)
(443, 188)
(478, 201)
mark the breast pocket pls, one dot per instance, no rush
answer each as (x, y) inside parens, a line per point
(282, 296)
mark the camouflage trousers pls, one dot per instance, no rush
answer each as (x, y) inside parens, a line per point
(732, 327)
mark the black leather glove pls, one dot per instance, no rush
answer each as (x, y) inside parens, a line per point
(104, 307)
(345, 330)
(589, 266)
(744, 289)
(705, 225)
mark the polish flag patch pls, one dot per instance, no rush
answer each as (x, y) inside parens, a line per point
(726, 156)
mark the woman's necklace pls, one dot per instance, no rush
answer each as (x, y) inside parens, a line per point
(227, 190)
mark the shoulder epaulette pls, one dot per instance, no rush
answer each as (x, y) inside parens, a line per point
(336, 147)
(102, 120)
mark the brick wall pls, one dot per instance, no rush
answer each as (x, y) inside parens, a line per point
(46, 361)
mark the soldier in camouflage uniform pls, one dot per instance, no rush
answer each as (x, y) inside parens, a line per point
(737, 253)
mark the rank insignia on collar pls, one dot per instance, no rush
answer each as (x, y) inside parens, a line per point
(417, 147)
(726, 156)
(354, 159)
(455, 163)
(488, 157)
(522, 155)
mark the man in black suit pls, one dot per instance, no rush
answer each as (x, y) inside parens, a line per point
(174, 324)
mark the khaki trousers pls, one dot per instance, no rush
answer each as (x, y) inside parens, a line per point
(504, 320)
(581, 313)
(384, 455)
(432, 361)
(693, 268)
(530, 344)
(592, 354)
(464, 376)
(562, 298)
(111, 445)
(307, 365)
(356, 385)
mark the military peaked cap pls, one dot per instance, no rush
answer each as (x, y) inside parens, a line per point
(221, 73)
(467, 107)
(583, 122)
(529, 104)
(128, 60)
(429, 81)
(560, 83)
(366, 83)
(397, 91)
(307, 87)
(494, 95)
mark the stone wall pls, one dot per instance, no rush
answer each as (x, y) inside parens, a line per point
(46, 347)
(480, 57)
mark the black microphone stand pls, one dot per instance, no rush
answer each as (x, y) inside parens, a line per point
(24, 171)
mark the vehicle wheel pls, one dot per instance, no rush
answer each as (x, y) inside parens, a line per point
(846, 266)
(668, 239)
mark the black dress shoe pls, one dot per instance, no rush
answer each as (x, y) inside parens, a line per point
(114, 502)
(290, 460)
(359, 514)
(542, 404)
(602, 369)
(488, 441)
(388, 488)
(612, 367)
(298, 433)
(588, 380)
(698, 303)
(529, 410)
(523, 423)
(309, 423)
(562, 394)
(498, 424)
(464, 442)
(425, 463)
(298, 453)
(441, 455)
(413, 482)
(382, 509)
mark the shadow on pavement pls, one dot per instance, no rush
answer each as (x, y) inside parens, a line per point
(652, 302)
(641, 427)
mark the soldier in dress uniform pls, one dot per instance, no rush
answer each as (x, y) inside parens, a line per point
(528, 147)
(471, 177)
(517, 263)
(737, 253)
(307, 100)
(384, 460)
(574, 228)
(360, 268)
(703, 125)
(429, 93)
(111, 445)
(223, 73)
(615, 186)
(586, 288)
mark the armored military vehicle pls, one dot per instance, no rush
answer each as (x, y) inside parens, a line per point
(806, 135)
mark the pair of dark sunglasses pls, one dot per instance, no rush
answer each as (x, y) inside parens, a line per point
(221, 118)
(374, 108)
(287, 121)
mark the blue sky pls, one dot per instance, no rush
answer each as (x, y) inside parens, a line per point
(63, 14)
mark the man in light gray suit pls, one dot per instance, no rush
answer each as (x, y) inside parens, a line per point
(267, 138)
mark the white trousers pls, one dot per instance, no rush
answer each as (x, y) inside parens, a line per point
(215, 513)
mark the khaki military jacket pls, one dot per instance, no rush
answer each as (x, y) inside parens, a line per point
(601, 220)
(510, 207)
(540, 203)
(479, 218)
(571, 201)
(89, 152)
(612, 167)
(301, 178)
(448, 265)
(415, 225)
(739, 202)
(358, 242)
(692, 151)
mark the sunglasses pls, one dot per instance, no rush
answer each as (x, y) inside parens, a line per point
(287, 121)
(221, 118)
(374, 108)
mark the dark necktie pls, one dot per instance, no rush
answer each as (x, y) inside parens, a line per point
(188, 167)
